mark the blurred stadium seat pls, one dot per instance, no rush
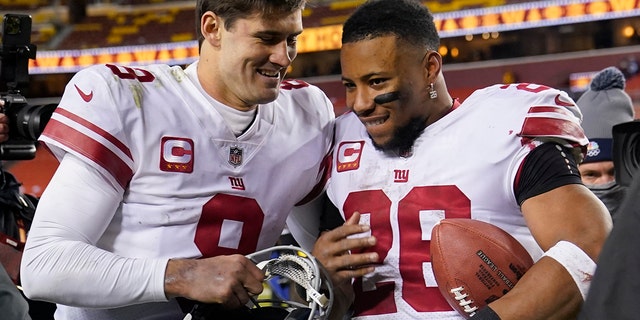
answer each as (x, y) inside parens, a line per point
(23, 4)
(107, 23)
(134, 22)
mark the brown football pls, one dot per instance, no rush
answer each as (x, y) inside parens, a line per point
(475, 263)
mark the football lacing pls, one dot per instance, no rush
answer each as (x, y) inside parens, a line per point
(462, 301)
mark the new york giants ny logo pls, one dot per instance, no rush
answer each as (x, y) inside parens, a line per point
(236, 183)
(400, 176)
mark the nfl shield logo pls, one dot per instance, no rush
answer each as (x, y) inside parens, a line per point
(235, 156)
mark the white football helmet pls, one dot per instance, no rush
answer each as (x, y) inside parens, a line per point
(308, 290)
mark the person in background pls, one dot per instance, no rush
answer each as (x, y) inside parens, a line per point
(170, 176)
(13, 305)
(409, 155)
(614, 288)
(603, 105)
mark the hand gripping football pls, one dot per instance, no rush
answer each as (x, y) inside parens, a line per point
(475, 263)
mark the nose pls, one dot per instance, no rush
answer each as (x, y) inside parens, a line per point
(361, 102)
(283, 54)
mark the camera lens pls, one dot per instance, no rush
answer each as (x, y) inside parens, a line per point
(31, 120)
(626, 151)
(12, 25)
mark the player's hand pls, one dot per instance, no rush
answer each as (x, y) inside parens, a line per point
(226, 280)
(4, 124)
(339, 250)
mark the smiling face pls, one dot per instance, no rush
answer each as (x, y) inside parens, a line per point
(244, 65)
(373, 67)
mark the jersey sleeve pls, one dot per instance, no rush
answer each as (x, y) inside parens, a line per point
(316, 105)
(60, 251)
(88, 124)
(305, 218)
(545, 168)
(553, 116)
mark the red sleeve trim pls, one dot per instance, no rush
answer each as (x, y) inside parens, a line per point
(91, 149)
(109, 137)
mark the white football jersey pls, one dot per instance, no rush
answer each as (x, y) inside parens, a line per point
(462, 166)
(191, 188)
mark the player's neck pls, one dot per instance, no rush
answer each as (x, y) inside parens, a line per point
(406, 151)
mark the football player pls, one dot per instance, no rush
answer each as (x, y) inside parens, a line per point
(169, 176)
(408, 155)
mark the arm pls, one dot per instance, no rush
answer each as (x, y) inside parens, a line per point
(61, 253)
(547, 291)
(304, 222)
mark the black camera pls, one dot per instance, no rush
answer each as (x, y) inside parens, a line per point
(25, 122)
(626, 151)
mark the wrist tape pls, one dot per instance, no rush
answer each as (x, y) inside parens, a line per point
(577, 262)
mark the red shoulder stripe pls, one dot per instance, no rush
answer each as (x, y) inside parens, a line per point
(92, 149)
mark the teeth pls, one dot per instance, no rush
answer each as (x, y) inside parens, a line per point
(373, 123)
(272, 74)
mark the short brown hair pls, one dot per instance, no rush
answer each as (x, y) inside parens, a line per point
(232, 10)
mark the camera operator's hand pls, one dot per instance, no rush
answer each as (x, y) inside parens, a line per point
(4, 124)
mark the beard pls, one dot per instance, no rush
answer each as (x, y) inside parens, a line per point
(403, 137)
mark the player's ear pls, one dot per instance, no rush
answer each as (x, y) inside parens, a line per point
(432, 65)
(211, 26)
